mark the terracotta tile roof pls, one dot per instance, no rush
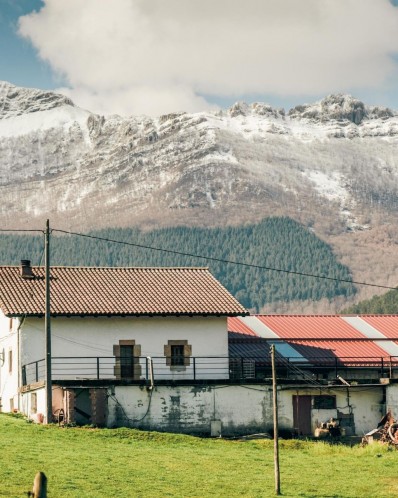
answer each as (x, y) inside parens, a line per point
(117, 291)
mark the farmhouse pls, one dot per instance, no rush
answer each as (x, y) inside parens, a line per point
(170, 349)
(111, 328)
(341, 367)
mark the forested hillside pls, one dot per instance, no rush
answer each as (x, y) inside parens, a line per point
(279, 243)
(386, 304)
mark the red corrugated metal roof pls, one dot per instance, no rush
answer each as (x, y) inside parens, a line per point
(321, 327)
(117, 291)
(386, 324)
(321, 334)
(236, 325)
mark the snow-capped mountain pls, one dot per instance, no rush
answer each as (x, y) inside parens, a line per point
(332, 165)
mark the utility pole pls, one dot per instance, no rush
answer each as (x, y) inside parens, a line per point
(275, 409)
(47, 325)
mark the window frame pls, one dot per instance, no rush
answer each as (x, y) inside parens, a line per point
(170, 358)
(135, 360)
(324, 402)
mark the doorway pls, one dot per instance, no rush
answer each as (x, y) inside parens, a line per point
(302, 415)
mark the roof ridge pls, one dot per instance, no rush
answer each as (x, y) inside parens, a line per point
(116, 267)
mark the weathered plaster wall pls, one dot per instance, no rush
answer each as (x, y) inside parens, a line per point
(366, 403)
(392, 399)
(26, 404)
(241, 409)
(191, 409)
(92, 337)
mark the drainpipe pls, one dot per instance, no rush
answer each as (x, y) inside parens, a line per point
(150, 363)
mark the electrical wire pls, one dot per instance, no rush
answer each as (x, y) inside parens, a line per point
(132, 420)
(209, 258)
(21, 230)
(220, 260)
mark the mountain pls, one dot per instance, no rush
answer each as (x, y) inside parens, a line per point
(332, 166)
(386, 304)
(263, 245)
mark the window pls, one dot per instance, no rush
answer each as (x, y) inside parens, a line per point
(126, 361)
(178, 353)
(10, 361)
(127, 364)
(33, 402)
(324, 402)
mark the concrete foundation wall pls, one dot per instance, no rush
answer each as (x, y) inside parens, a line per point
(191, 409)
(241, 409)
(218, 409)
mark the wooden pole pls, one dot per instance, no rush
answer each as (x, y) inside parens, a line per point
(47, 325)
(39, 486)
(275, 411)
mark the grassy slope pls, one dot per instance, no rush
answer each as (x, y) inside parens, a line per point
(125, 462)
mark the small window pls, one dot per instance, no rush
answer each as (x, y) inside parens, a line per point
(33, 402)
(177, 355)
(127, 364)
(324, 402)
(10, 361)
(11, 404)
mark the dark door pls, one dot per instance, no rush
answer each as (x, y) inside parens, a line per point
(302, 415)
(126, 362)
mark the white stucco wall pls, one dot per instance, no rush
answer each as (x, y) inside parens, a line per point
(241, 409)
(392, 399)
(366, 403)
(95, 337)
(191, 409)
(26, 404)
(8, 380)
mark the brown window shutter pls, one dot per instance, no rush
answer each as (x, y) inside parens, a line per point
(116, 367)
(167, 353)
(187, 354)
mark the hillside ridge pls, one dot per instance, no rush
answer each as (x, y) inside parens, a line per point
(331, 166)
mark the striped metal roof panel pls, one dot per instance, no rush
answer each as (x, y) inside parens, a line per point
(239, 327)
(386, 324)
(326, 328)
(116, 291)
(320, 336)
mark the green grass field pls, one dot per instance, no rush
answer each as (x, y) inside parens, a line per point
(83, 462)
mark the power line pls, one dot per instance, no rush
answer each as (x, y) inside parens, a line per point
(20, 230)
(226, 261)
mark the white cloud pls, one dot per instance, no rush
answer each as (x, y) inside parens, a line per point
(155, 56)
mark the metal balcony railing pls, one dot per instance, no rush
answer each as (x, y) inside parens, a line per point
(234, 368)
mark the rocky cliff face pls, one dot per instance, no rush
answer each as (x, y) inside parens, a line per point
(332, 165)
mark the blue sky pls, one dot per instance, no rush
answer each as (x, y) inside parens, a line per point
(122, 56)
(19, 63)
